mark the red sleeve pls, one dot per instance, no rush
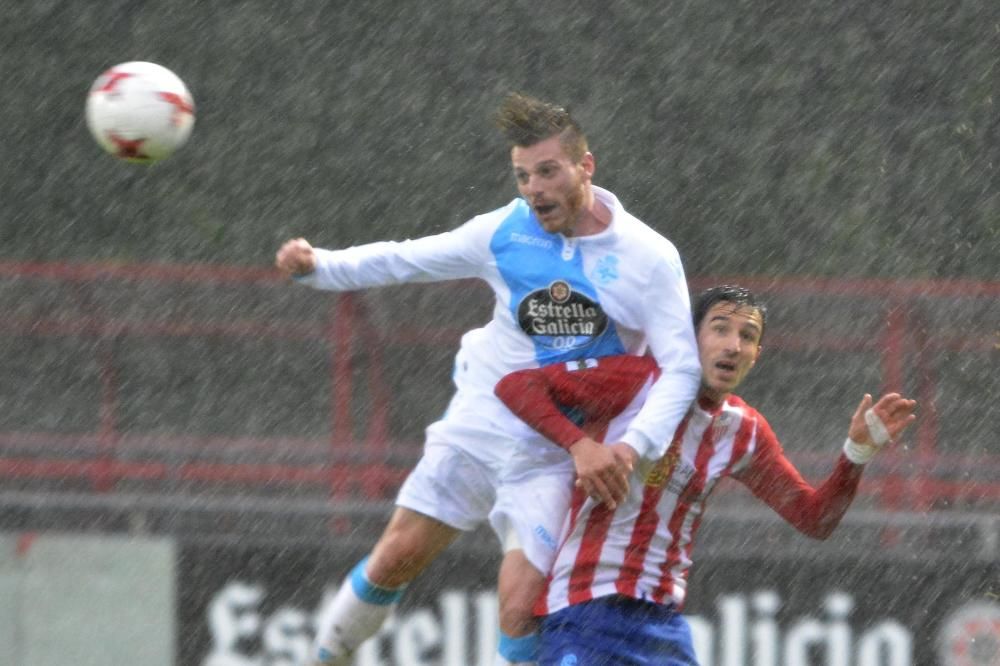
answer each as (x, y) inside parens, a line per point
(599, 389)
(815, 512)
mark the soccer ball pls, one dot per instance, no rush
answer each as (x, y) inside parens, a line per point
(140, 112)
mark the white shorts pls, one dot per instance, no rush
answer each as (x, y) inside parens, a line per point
(535, 489)
(456, 479)
(533, 501)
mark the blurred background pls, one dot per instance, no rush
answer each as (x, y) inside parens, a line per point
(184, 433)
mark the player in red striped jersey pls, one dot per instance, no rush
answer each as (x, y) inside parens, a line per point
(619, 577)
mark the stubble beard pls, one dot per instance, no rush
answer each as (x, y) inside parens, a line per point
(576, 205)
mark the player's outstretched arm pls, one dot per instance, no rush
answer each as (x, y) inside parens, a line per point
(816, 512)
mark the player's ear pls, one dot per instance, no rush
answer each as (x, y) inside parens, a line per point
(756, 357)
(588, 163)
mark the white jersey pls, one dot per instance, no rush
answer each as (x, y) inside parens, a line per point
(558, 299)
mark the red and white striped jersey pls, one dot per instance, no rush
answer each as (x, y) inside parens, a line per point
(643, 548)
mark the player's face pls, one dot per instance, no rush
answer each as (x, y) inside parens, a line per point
(728, 346)
(557, 189)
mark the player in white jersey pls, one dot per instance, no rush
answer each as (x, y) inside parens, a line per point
(570, 269)
(619, 578)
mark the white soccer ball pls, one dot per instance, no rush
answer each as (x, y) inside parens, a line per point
(140, 112)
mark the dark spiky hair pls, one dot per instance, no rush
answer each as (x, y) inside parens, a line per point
(728, 293)
(525, 121)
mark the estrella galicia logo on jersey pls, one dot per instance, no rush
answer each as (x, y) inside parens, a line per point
(560, 318)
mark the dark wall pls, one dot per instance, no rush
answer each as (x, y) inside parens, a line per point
(763, 137)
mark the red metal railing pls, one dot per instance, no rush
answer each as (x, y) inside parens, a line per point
(904, 342)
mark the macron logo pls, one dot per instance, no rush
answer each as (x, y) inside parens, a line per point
(546, 538)
(525, 239)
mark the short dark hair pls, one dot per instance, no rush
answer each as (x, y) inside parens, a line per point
(728, 293)
(525, 121)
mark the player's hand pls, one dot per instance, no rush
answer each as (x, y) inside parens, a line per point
(296, 257)
(602, 471)
(893, 410)
(874, 426)
(626, 454)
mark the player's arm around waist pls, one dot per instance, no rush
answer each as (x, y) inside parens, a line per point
(529, 395)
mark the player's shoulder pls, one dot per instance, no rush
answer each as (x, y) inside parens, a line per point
(736, 404)
(639, 238)
(484, 226)
(513, 223)
(734, 401)
(649, 240)
(515, 209)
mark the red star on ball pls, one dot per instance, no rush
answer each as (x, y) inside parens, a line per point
(181, 106)
(130, 149)
(113, 78)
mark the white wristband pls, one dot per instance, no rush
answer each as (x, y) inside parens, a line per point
(859, 453)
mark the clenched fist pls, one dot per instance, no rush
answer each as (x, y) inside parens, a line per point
(296, 257)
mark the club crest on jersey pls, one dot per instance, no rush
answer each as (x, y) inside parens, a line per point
(559, 291)
(606, 270)
(663, 468)
(558, 312)
(670, 470)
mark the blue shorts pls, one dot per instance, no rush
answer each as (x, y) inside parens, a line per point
(616, 630)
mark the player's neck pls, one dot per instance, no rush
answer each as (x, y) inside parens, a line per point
(594, 218)
(709, 398)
